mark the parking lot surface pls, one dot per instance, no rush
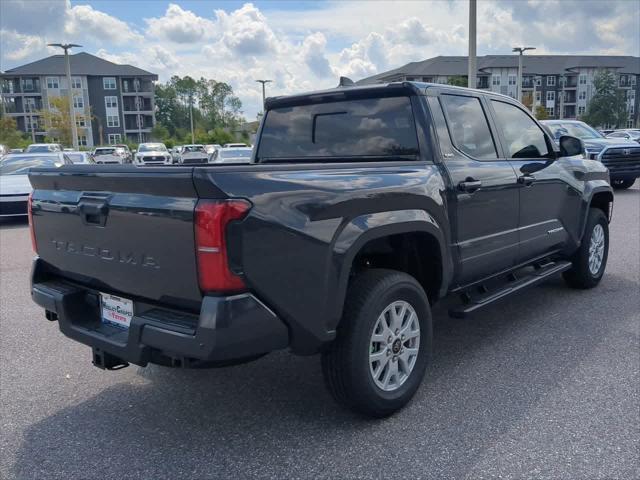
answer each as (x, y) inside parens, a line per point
(542, 385)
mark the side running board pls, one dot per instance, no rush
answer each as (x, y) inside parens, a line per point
(480, 297)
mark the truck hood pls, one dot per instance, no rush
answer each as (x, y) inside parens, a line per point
(609, 142)
(14, 185)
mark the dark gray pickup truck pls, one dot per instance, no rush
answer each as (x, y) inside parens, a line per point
(362, 207)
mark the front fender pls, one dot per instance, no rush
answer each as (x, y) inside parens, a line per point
(592, 188)
(364, 228)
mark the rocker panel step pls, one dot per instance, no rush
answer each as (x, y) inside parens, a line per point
(534, 277)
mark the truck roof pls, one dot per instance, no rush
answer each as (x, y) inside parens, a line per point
(361, 91)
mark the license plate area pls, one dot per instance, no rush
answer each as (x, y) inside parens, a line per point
(116, 311)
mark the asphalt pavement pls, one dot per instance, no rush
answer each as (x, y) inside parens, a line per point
(543, 385)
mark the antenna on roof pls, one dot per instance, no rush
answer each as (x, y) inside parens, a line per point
(346, 82)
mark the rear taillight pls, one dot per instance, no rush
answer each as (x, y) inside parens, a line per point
(31, 230)
(212, 218)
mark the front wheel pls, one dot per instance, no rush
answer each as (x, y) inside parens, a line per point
(590, 260)
(383, 343)
(623, 184)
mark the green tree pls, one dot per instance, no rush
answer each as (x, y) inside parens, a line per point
(607, 106)
(541, 113)
(10, 135)
(458, 80)
(57, 120)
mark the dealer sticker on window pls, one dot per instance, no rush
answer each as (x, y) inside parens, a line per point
(116, 310)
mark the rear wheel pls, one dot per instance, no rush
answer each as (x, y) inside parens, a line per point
(383, 343)
(590, 260)
(623, 184)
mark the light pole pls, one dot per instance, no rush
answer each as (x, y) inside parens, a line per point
(72, 113)
(520, 51)
(471, 74)
(193, 138)
(263, 82)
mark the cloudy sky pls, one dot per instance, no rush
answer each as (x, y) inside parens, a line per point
(306, 45)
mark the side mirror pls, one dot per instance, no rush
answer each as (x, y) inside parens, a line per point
(570, 146)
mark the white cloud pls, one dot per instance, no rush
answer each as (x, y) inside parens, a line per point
(85, 21)
(313, 54)
(246, 32)
(179, 26)
(19, 46)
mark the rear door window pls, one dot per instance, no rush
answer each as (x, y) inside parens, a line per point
(370, 128)
(468, 126)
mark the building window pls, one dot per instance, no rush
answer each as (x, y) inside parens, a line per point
(111, 102)
(630, 123)
(633, 79)
(78, 101)
(582, 95)
(27, 85)
(29, 104)
(581, 110)
(623, 80)
(538, 81)
(551, 81)
(550, 111)
(632, 109)
(82, 140)
(76, 82)
(631, 94)
(512, 79)
(52, 82)
(113, 138)
(81, 121)
(582, 79)
(551, 96)
(109, 83)
(113, 121)
(495, 80)
(538, 96)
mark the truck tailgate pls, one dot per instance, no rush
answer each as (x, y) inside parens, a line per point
(119, 229)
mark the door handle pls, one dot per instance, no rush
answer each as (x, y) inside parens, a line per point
(526, 180)
(470, 185)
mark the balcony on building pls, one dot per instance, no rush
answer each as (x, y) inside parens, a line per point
(136, 85)
(571, 81)
(482, 81)
(527, 82)
(19, 86)
(569, 111)
(134, 123)
(133, 104)
(570, 96)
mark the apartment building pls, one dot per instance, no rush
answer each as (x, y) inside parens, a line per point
(112, 102)
(563, 84)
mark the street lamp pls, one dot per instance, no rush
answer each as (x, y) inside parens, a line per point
(471, 74)
(72, 113)
(520, 51)
(263, 82)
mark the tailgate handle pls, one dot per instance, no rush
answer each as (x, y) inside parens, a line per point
(93, 213)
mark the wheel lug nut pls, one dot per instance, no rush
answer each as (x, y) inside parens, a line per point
(395, 359)
(397, 331)
(402, 337)
(388, 352)
(390, 339)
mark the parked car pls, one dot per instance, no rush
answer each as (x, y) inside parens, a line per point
(620, 155)
(606, 131)
(3, 150)
(211, 148)
(127, 152)
(153, 154)
(79, 158)
(43, 148)
(364, 207)
(234, 145)
(232, 155)
(175, 153)
(627, 133)
(16, 150)
(193, 154)
(14, 181)
(111, 154)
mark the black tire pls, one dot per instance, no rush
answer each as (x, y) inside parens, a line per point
(580, 276)
(623, 184)
(345, 363)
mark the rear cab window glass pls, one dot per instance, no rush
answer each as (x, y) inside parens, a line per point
(523, 138)
(351, 130)
(468, 126)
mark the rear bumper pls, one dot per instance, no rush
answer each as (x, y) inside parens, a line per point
(226, 329)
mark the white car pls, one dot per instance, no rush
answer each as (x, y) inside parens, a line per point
(234, 145)
(112, 155)
(79, 158)
(14, 180)
(212, 148)
(43, 148)
(153, 154)
(232, 155)
(193, 154)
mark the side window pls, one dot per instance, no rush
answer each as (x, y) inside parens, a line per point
(523, 137)
(468, 126)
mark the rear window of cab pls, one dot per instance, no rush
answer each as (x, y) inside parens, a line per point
(373, 128)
